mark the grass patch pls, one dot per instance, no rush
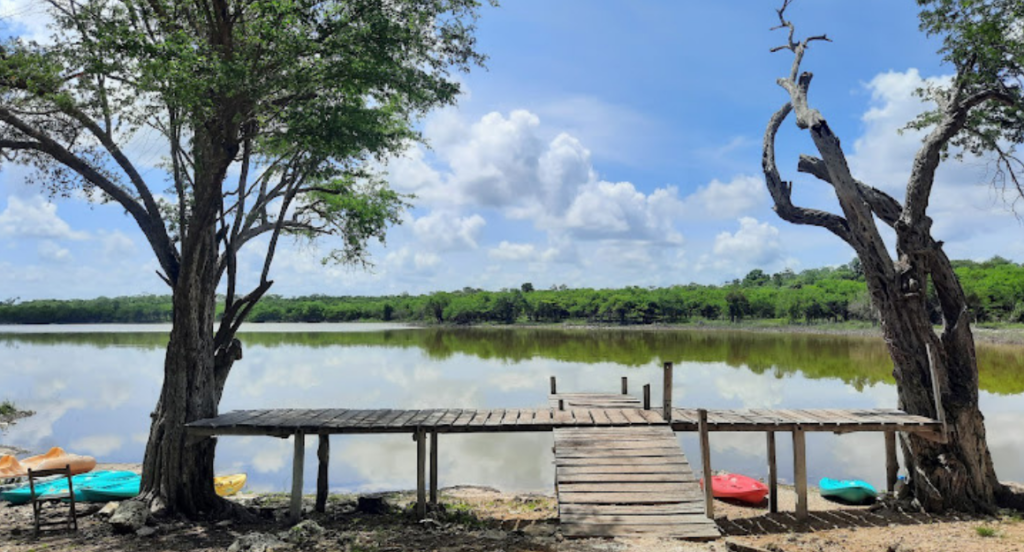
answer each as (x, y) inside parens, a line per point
(985, 531)
(7, 408)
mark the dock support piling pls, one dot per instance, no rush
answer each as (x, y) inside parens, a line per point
(433, 466)
(705, 460)
(647, 396)
(561, 404)
(892, 464)
(554, 388)
(421, 475)
(667, 393)
(625, 385)
(773, 475)
(299, 458)
(800, 473)
(323, 454)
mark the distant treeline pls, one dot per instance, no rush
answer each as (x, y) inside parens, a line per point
(995, 290)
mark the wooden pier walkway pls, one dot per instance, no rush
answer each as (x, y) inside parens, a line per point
(618, 467)
(624, 481)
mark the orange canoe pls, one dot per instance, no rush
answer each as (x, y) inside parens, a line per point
(55, 458)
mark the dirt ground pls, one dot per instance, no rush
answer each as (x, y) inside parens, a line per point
(480, 519)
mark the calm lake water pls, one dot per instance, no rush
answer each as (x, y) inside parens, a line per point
(93, 388)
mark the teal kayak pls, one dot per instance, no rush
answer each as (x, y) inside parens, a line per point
(113, 490)
(848, 491)
(22, 494)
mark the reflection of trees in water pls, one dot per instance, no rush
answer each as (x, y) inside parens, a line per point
(857, 361)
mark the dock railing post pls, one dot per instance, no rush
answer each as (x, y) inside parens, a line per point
(625, 385)
(298, 459)
(421, 476)
(705, 460)
(800, 472)
(554, 388)
(323, 454)
(773, 475)
(433, 466)
(667, 393)
(892, 464)
(647, 396)
(561, 404)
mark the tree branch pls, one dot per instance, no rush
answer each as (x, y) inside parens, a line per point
(882, 204)
(781, 191)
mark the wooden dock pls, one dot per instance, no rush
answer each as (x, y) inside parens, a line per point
(624, 481)
(618, 467)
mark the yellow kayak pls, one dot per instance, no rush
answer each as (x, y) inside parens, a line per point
(228, 485)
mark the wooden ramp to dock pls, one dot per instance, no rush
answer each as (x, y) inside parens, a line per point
(624, 481)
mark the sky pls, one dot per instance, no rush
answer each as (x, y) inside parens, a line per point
(606, 144)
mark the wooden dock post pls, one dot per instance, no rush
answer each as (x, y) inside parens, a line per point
(892, 464)
(773, 475)
(800, 473)
(299, 458)
(554, 388)
(705, 460)
(433, 466)
(647, 396)
(421, 475)
(625, 385)
(561, 404)
(667, 393)
(323, 454)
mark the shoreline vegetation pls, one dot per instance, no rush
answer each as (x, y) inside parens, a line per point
(813, 298)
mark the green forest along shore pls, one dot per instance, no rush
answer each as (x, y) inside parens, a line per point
(995, 290)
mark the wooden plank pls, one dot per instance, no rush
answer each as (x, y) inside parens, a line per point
(583, 417)
(403, 419)
(611, 444)
(420, 417)
(464, 418)
(773, 475)
(627, 487)
(628, 519)
(705, 455)
(340, 420)
(677, 470)
(800, 474)
(449, 418)
(652, 417)
(526, 417)
(622, 453)
(892, 464)
(677, 477)
(371, 418)
(622, 461)
(543, 417)
(695, 507)
(705, 531)
(316, 424)
(495, 418)
(511, 417)
(432, 420)
(624, 498)
(481, 418)
(298, 459)
(633, 416)
(225, 420)
(616, 417)
(323, 455)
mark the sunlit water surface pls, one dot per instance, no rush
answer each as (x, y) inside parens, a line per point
(93, 388)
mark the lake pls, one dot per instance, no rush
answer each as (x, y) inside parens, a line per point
(93, 387)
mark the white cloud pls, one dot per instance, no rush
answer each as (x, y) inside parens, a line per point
(512, 251)
(29, 19)
(50, 251)
(727, 200)
(117, 246)
(444, 231)
(97, 445)
(754, 242)
(35, 218)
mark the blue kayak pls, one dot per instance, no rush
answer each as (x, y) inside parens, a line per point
(22, 494)
(848, 491)
(113, 490)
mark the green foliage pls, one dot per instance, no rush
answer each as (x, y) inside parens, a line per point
(995, 290)
(7, 408)
(985, 531)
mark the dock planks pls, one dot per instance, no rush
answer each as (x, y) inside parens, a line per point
(626, 481)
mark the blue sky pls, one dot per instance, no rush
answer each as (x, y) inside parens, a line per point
(606, 144)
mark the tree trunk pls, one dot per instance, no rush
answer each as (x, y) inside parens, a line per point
(178, 472)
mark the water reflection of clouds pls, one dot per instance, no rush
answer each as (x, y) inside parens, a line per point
(123, 384)
(96, 445)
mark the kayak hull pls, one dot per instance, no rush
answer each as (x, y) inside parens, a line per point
(80, 483)
(54, 459)
(855, 492)
(737, 487)
(228, 485)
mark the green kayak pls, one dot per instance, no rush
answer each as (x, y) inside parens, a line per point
(848, 491)
(81, 482)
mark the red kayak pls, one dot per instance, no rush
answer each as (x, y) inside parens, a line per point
(737, 487)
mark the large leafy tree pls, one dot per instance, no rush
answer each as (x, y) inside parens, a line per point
(272, 114)
(979, 112)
